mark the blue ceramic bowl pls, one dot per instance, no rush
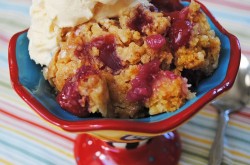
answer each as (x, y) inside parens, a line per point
(29, 83)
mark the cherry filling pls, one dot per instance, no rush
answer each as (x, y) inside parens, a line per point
(167, 5)
(180, 33)
(142, 83)
(178, 15)
(70, 99)
(140, 20)
(107, 48)
(180, 30)
(107, 51)
(156, 42)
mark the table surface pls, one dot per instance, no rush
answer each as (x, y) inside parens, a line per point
(27, 139)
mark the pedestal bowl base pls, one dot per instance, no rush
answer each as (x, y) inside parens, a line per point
(160, 150)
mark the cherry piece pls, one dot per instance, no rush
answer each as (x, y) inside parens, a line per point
(107, 47)
(178, 15)
(70, 99)
(167, 5)
(107, 51)
(180, 33)
(142, 83)
(139, 20)
(156, 42)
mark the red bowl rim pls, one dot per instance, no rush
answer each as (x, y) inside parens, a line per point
(123, 124)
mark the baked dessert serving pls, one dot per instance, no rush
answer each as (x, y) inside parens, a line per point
(145, 61)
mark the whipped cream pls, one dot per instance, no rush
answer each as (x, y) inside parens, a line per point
(48, 17)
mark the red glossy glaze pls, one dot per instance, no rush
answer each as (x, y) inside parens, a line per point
(180, 33)
(129, 125)
(160, 150)
(107, 47)
(178, 15)
(139, 20)
(70, 99)
(180, 30)
(142, 83)
(156, 42)
(167, 5)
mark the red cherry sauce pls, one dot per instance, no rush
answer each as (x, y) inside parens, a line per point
(69, 98)
(140, 20)
(167, 5)
(178, 15)
(180, 33)
(82, 52)
(142, 83)
(180, 30)
(107, 48)
(156, 42)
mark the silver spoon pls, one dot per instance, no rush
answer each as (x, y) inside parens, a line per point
(235, 99)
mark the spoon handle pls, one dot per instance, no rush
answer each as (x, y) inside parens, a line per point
(216, 151)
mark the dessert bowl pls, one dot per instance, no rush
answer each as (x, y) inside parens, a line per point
(28, 81)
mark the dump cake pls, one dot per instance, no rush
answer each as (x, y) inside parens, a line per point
(139, 62)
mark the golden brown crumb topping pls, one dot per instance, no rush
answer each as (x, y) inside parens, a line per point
(123, 52)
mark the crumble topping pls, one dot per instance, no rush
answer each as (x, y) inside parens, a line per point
(140, 63)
